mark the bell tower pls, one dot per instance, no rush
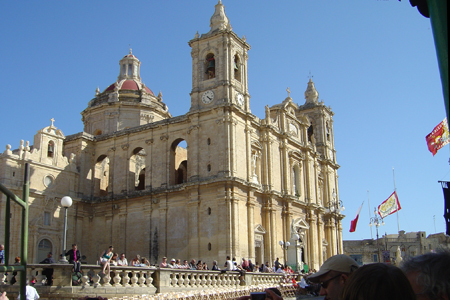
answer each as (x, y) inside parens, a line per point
(219, 66)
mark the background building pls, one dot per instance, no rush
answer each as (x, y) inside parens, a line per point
(391, 245)
(213, 182)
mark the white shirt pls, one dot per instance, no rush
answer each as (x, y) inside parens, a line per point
(123, 262)
(229, 265)
(303, 283)
(31, 293)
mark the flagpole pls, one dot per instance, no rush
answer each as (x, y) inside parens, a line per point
(370, 216)
(395, 190)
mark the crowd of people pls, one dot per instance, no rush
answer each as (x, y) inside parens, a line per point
(340, 278)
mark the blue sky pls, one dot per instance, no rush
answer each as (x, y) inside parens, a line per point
(373, 62)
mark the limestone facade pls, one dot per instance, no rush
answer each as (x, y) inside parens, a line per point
(213, 182)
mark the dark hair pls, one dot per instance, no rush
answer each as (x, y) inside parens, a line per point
(74, 245)
(433, 273)
(378, 281)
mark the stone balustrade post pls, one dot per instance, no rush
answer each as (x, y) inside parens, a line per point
(125, 278)
(62, 274)
(117, 278)
(40, 278)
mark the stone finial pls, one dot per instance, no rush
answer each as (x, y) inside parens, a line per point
(97, 91)
(160, 96)
(268, 120)
(219, 20)
(311, 94)
(8, 150)
(196, 35)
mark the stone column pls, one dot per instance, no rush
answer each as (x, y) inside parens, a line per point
(314, 241)
(193, 221)
(234, 222)
(272, 230)
(268, 253)
(251, 226)
(149, 162)
(320, 238)
(248, 143)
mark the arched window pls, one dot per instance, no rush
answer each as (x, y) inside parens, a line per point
(210, 66)
(178, 162)
(237, 68)
(44, 247)
(137, 168)
(310, 133)
(101, 176)
(50, 149)
(296, 181)
(328, 131)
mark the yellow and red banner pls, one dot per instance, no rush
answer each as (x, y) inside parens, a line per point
(389, 206)
(438, 138)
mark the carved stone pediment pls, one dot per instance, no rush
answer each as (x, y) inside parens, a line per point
(299, 224)
(259, 229)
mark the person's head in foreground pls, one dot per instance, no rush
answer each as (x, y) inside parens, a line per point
(378, 281)
(333, 275)
(429, 275)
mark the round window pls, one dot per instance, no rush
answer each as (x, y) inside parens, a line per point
(48, 180)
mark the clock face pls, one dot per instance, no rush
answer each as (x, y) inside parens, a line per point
(208, 97)
(240, 99)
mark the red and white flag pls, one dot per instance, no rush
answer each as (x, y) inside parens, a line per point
(389, 206)
(355, 220)
(438, 138)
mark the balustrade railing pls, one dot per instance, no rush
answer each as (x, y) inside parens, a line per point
(123, 281)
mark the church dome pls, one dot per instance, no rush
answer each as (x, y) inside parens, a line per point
(129, 84)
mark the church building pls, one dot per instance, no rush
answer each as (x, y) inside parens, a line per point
(213, 182)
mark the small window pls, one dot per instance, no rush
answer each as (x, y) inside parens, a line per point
(209, 247)
(209, 168)
(208, 141)
(375, 258)
(209, 210)
(46, 218)
(129, 69)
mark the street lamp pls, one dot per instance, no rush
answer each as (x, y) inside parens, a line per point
(335, 206)
(66, 202)
(375, 220)
(284, 246)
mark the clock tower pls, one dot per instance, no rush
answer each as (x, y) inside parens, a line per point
(219, 66)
